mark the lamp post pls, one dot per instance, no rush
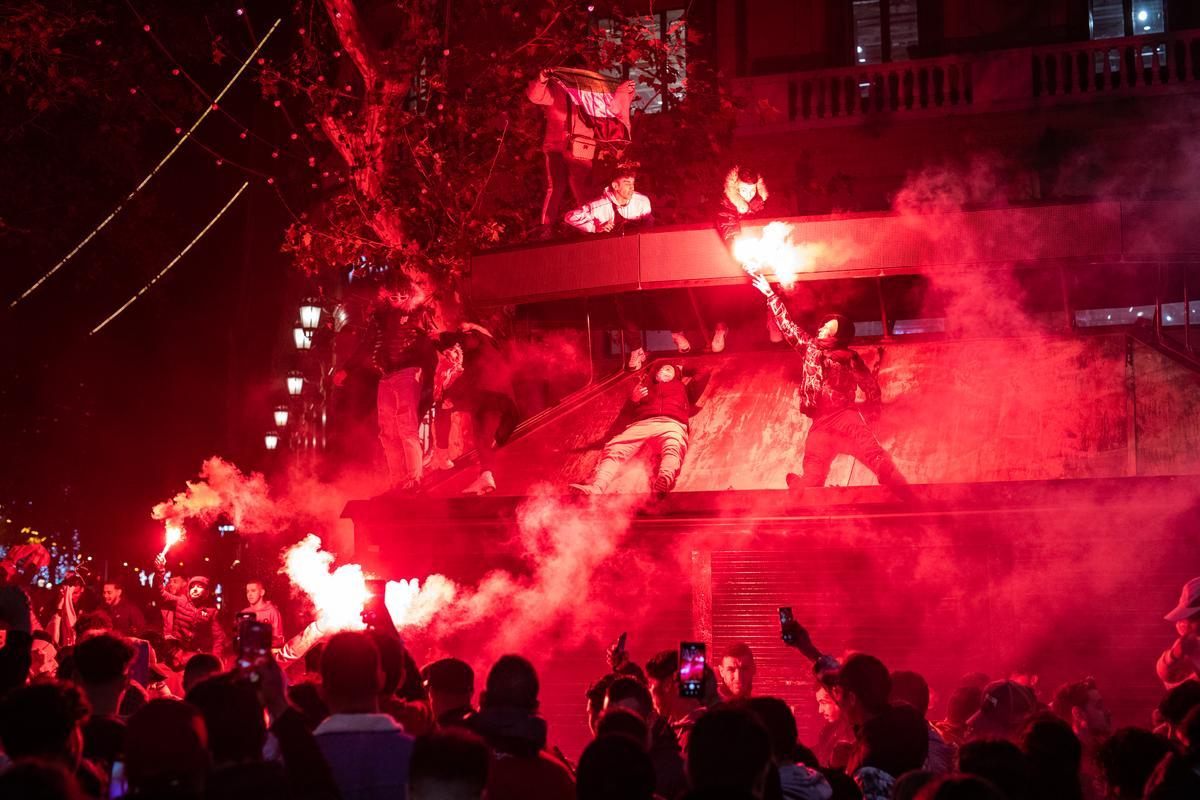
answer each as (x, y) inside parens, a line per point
(271, 440)
(281, 416)
(310, 314)
(295, 383)
(302, 337)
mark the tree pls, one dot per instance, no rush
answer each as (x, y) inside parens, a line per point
(439, 152)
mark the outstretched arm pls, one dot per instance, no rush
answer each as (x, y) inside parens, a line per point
(792, 334)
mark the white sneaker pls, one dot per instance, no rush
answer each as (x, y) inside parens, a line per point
(484, 484)
(718, 340)
(637, 360)
(681, 342)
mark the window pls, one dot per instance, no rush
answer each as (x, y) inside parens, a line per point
(884, 30)
(660, 43)
(1112, 19)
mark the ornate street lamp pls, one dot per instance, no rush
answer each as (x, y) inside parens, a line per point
(281, 416)
(310, 314)
(295, 383)
(302, 338)
(271, 440)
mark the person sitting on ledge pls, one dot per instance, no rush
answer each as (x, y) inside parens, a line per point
(662, 404)
(619, 210)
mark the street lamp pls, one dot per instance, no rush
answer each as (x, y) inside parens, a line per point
(281, 416)
(310, 314)
(302, 338)
(271, 440)
(295, 383)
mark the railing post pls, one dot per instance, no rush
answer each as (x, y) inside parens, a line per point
(887, 334)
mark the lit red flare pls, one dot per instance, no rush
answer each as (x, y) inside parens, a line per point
(173, 533)
(774, 251)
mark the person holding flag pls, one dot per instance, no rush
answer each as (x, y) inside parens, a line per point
(587, 120)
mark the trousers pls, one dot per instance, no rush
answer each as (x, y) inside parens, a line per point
(563, 173)
(667, 437)
(845, 431)
(397, 402)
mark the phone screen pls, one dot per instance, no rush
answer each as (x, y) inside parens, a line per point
(785, 616)
(691, 668)
(254, 646)
(118, 786)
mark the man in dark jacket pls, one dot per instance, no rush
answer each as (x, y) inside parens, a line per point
(484, 390)
(127, 619)
(397, 346)
(832, 373)
(661, 410)
(196, 627)
(522, 767)
(744, 197)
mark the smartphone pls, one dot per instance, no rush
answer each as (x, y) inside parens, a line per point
(377, 591)
(139, 670)
(118, 785)
(786, 616)
(691, 668)
(254, 647)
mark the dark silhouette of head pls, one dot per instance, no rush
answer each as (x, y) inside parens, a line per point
(351, 675)
(728, 750)
(233, 717)
(615, 767)
(511, 683)
(449, 764)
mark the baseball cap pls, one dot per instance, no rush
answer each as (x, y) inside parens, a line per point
(1189, 602)
(1004, 703)
(449, 675)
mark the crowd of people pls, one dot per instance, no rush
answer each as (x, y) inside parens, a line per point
(129, 712)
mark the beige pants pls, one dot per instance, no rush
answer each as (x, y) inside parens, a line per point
(667, 437)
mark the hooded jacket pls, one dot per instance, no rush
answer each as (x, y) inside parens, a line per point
(733, 208)
(521, 769)
(831, 371)
(195, 624)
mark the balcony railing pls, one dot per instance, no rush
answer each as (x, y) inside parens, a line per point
(992, 81)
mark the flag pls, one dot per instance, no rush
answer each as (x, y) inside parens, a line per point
(594, 96)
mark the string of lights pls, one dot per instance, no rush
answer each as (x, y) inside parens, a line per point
(173, 261)
(245, 131)
(121, 205)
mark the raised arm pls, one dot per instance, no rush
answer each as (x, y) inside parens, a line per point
(538, 90)
(792, 334)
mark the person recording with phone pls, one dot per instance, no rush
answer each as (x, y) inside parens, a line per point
(889, 738)
(680, 710)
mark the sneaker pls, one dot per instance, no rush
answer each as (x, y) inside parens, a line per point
(662, 484)
(484, 484)
(585, 488)
(637, 360)
(773, 329)
(681, 342)
(718, 340)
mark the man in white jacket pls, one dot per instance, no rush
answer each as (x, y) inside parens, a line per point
(619, 209)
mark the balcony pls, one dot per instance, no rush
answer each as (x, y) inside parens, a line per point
(1027, 78)
(1081, 236)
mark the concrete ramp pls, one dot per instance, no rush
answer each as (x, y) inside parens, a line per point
(954, 411)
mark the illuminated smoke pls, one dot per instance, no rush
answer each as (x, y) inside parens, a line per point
(775, 251)
(337, 595)
(221, 489)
